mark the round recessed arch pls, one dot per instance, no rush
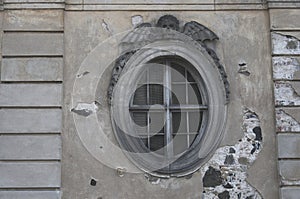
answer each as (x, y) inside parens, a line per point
(215, 94)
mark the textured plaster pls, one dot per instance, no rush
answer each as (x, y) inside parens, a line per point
(226, 171)
(240, 40)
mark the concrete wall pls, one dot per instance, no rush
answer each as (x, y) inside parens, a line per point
(43, 45)
(285, 30)
(31, 101)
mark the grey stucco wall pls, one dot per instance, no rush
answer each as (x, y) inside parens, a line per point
(244, 38)
(45, 42)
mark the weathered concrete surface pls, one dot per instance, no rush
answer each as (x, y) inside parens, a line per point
(29, 194)
(285, 43)
(41, 174)
(289, 172)
(30, 147)
(16, 44)
(287, 93)
(287, 120)
(30, 120)
(286, 68)
(32, 69)
(288, 146)
(290, 192)
(238, 43)
(283, 19)
(42, 20)
(30, 95)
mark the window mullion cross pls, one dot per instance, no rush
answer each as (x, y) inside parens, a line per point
(168, 115)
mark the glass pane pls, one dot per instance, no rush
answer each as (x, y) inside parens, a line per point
(156, 72)
(194, 96)
(179, 122)
(190, 77)
(156, 94)
(179, 143)
(143, 77)
(192, 137)
(178, 94)
(145, 141)
(177, 73)
(140, 119)
(195, 119)
(140, 95)
(157, 142)
(156, 122)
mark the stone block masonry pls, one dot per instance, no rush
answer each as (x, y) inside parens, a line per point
(31, 99)
(285, 30)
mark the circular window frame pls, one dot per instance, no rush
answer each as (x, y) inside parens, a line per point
(201, 61)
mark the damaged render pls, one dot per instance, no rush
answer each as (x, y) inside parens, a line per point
(285, 94)
(285, 122)
(286, 68)
(85, 109)
(285, 44)
(224, 175)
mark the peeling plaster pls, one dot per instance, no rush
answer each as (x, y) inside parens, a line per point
(136, 20)
(85, 109)
(285, 94)
(121, 172)
(224, 175)
(290, 182)
(243, 69)
(285, 44)
(285, 122)
(286, 68)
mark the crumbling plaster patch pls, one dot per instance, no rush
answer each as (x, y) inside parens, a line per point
(285, 44)
(286, 68)
(285, 122)
(224, 175)
(85, 109)
(286, 94)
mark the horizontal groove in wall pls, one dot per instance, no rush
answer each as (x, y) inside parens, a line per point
(288, 133)
(286, 80)
(31, 189)
(285, 55)
(34, 133)
(288, 159)
(29, 160)
(31, 107)
(33, 31)
(275, 30)
(32, 82)
(289, 6)
(287, 106)
(289, 185)
(32, 56)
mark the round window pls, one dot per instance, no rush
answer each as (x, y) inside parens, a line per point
(168, 108)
